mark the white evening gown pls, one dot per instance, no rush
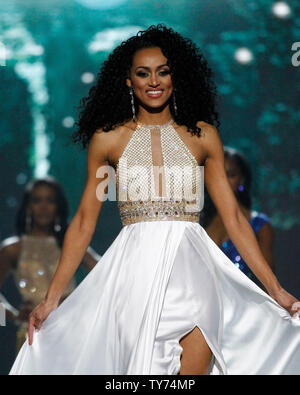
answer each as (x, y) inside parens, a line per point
(162, 276)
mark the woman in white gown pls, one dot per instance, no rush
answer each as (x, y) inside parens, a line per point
(163, 299)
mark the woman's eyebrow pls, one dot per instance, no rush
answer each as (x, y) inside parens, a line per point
(147, 68)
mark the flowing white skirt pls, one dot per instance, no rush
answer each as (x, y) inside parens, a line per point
(155, 283)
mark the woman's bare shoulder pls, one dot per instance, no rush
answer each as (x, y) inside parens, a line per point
(211, 140)
(113, 136)
(103, 143)
(207, 129)
(115, 140)
(116, 131)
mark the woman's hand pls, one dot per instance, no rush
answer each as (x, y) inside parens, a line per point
(38, 316)
(287, 301)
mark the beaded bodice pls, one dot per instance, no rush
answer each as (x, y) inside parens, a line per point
(157, 178)
(37, 264)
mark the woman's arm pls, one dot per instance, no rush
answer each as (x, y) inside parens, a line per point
(265, 238)
(9, 255)
(7, 259)
(5, 262)
(80, 230)
(83, 224)
(237, 226)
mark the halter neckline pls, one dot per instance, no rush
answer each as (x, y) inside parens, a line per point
(158, 126)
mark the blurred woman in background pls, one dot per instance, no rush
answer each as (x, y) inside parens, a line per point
(33, 254)
(240, 179)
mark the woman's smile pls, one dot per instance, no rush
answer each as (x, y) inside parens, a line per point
(154, 94)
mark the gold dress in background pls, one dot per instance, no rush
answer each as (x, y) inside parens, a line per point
(37, 264)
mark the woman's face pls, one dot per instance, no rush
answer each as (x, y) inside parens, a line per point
(234, 175)
(42, 205)
(150, 77)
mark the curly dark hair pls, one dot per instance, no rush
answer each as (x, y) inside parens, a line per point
(108, 102)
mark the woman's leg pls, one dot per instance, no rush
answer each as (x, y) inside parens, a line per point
(196, 355)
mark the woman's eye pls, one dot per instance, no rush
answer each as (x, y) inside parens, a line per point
(140, 74)
(163, 73)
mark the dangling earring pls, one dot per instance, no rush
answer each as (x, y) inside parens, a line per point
(57, 225)
(28, 222)
(174, 102)
(132, 104)
(241, 188)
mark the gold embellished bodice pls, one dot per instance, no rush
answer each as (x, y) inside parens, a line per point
(158, 178)
(37, 264)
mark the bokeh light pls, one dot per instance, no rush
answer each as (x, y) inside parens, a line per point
(281, 9)
(243, 56)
